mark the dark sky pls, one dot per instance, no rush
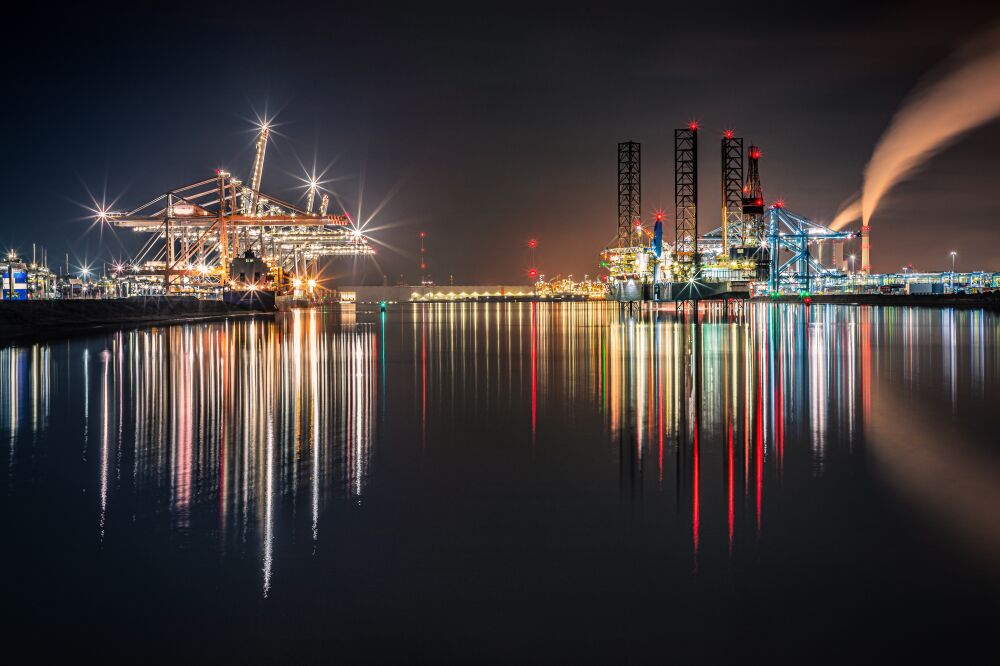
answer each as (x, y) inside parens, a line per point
(484, 125)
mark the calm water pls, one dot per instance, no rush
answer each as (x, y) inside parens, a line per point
(500, 481)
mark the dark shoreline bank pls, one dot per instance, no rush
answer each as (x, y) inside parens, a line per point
(988, 301)
(32, 320)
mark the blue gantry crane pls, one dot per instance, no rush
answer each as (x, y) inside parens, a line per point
(793, 267)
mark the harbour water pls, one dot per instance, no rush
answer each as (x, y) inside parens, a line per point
(449, 482)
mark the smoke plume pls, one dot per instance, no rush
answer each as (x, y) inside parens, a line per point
(847, 214)
(932, 118)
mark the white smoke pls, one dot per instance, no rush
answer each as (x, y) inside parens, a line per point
(933, 118)
(847, 214)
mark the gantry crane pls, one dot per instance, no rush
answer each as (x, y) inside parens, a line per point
(205, 225)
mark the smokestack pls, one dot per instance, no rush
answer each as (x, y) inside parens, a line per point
(838, 256)
(866, 259)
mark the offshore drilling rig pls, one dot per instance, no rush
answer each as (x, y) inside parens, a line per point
(757, 248)
(221, 234)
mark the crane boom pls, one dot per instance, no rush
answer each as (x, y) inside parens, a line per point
(258, 167)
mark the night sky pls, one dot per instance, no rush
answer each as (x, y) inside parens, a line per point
(485, 125)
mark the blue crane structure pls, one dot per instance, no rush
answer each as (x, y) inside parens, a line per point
(792, 234)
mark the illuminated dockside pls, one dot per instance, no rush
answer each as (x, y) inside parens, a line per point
(199, 233)
(758, 248)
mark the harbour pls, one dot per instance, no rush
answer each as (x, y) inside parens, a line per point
(517, 333)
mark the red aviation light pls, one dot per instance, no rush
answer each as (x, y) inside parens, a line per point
(693, 125)
(755, 154)
(532, 273)
(423, 266)
(423, 234)
(729, 134)
(659, 217)
(779, 204)
(532, 243)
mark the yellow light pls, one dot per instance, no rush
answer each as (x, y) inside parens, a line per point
(296, 283)
(312, 284)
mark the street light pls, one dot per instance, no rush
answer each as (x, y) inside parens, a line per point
(852, 264)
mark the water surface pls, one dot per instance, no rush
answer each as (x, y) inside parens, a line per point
(498, 481)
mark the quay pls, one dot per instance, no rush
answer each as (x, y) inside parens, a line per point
(986, 300)
(42, 318)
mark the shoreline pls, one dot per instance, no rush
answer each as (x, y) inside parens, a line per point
(22, 321)
(47, 319)
(987, 301)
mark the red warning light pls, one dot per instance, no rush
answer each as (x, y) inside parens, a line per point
(779, 204)
(532, 243)
(532, 273)
(423, 266)
(729, 134)
(423, 234)
(693, 125)
(755, 154)
(659, 217)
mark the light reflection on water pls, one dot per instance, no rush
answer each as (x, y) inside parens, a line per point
(223, 426)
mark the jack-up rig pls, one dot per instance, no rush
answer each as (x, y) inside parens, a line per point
(221, 234)
(758, 247)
